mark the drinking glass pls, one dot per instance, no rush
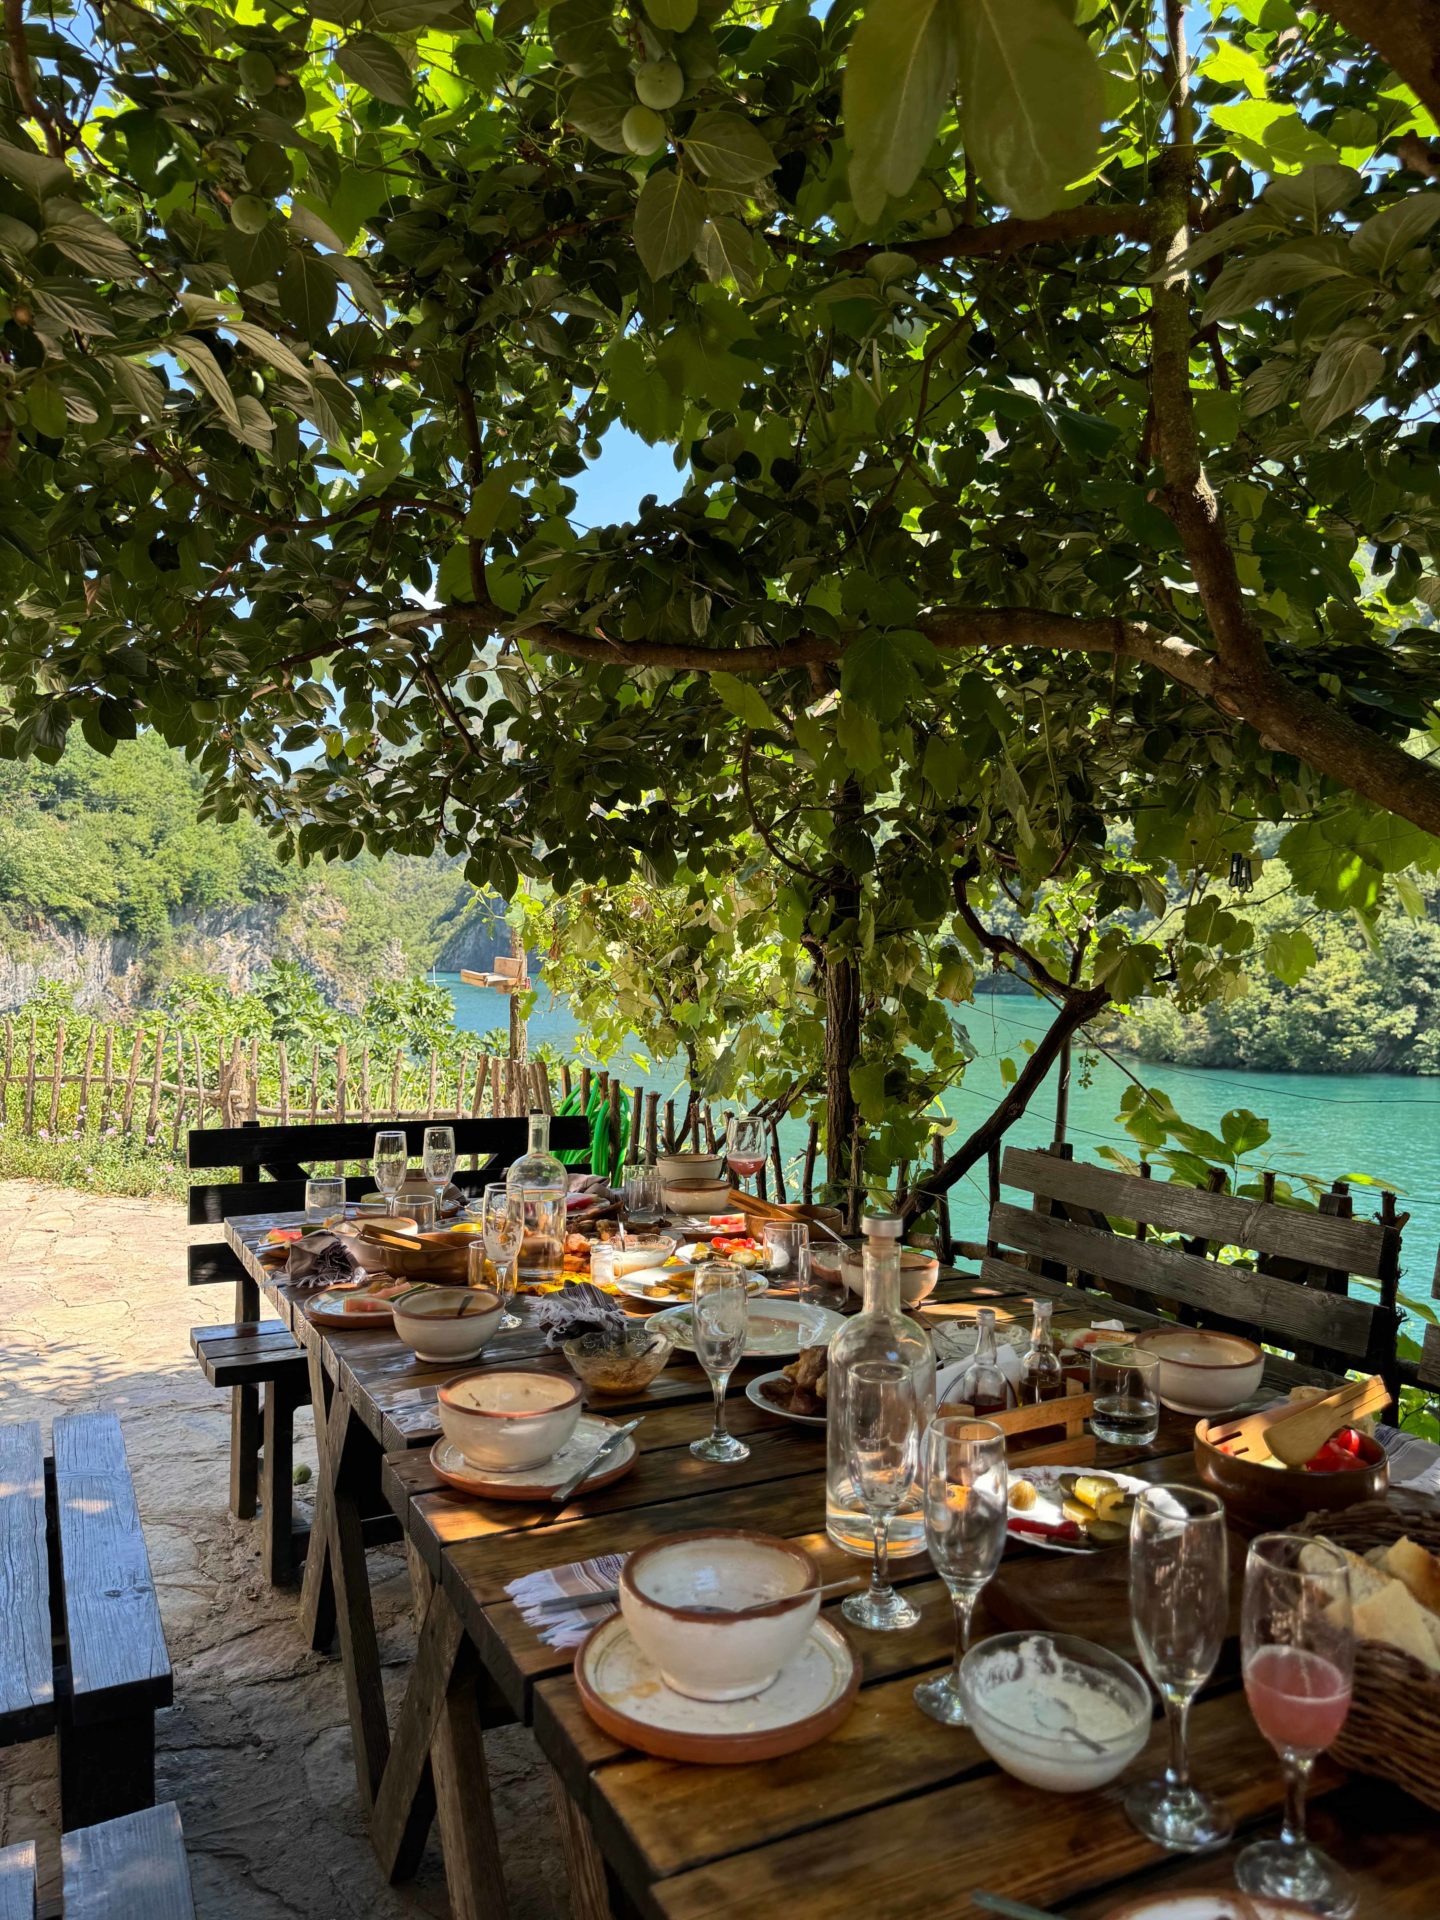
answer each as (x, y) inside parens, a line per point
(642, 1196)
(1179, 1603)
(787, 1256)
(389, 1159)
(421, 1209)
(967, 1493)
(502, 1226)
(745, 1146)
(324, 1198)
(1125, 1381)
(720, 1315)
(1297, 1647)
(882, 1441)
(439, 1160)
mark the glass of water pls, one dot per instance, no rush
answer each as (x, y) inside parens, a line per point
(1125, 1381)
(324, 1199)
(642, 1195)
(720, 1316)
(787, 1256)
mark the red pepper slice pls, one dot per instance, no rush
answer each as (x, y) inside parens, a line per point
(1067, 1529)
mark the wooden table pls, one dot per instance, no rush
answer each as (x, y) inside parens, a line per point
(891, 1815)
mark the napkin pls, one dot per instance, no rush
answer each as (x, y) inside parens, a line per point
(320, 1260)
(568, 1626)
(1414, 1463)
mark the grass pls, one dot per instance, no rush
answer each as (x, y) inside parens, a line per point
(95, 1163)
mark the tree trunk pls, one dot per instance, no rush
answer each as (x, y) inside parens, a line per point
(518, 1037)
(842, 1026)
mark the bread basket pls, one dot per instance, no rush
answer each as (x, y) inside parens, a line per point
(1393, 1728)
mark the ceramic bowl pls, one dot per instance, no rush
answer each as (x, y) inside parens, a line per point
(695, 1196)
(919, 1271)
(674, 1168)
(641, 1250)
(1224, 1904)
(624, 1366)
(1204, 1372)
(1018, 1690)
(1279, 1496)
(432, 1325)
(668, 1591)
(505, 1421)
(438, 1256)
(367, 1255)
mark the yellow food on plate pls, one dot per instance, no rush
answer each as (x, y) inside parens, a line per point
(1023, 1495)
(1092, 1488)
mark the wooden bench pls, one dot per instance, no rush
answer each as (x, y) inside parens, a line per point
(1091, 1226)
(82, 1649)
(262, 1365)
(132, 1868)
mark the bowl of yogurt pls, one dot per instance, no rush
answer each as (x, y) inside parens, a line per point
(1056, 1711)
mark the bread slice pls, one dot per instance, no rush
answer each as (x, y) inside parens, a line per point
(1419, 1570)
(1365, 1580)
(1395, 1617)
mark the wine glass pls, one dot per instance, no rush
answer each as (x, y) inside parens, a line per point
(882, 1440)
(1179, 1604)
(1297, 1647)
(439, 1161)
(502, 1224)
(720, 1316)
(389, 1158)
(745, 1146)
(967, 1493)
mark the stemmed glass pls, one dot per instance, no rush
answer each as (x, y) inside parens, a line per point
(1179, 1604)
(720, 1316)
(502, 1224)
(1297, 1646)
(389, 1158)
(967, 1494)
(439, 1161)
(745, 1146)
(882, 1438)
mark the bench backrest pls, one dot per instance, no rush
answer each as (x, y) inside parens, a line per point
(133, 1868)
(116, 1644)
(1090, 1223)
(27, 1679)
(17, 1881)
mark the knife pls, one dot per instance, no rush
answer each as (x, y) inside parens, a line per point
(1008, 1909)
(607, 1446)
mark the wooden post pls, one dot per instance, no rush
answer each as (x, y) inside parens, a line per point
(637, 1108)
(128, 1104)
(6, 1064)
(365, 1083)
(585, 1090)
(812, 1147)
(616, 1091)
(669, 1126)
(82, 1112)
(30, 1081)
(57, 1072)
(652, 1125)
(179, 1112)
(496, 1106)
(314, 1084)
(482, 1074)
(396, 1066)
(284, 1066)
(779, 1165)
(542, 1085)
(460, 1078)
(944, 1234)
(107, 1075)
(992, 1167)
(564, 1079)
(252, 1092)
(709, 1130)
(342, 1069)
(519, 1040)
(430, 1090)
(152, 1118)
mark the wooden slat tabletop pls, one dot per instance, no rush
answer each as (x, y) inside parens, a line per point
(892, 1814)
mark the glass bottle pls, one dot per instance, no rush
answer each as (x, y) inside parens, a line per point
(1041, 1377)
(880, 1331)
(983, 1386)
(542, 1183)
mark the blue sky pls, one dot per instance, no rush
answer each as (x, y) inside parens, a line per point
(613, 486)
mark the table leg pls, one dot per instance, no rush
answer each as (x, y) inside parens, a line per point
(584, 1862)
(317, 1591)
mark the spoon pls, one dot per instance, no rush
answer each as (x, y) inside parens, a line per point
(1058, 1716)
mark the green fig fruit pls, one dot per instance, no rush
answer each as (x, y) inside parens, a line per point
(659, 84)
(249, 213)
(642, 130)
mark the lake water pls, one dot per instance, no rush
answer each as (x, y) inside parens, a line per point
(1327, 1125)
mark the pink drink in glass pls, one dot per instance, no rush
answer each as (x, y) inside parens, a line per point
(1299, 1699)
(744, 1168)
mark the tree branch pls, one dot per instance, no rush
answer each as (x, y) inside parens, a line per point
(22, 74)
(1005, 236)
(1000, 944)
(1406, 33)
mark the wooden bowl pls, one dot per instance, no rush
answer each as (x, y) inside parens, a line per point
(426, 1256)
(1280, 1496)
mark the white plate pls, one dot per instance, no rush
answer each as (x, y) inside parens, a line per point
(326, 1310)
(657, 1294)
(779, 1327)
(753, 1393)
(1049, 1511)
(538, 1483)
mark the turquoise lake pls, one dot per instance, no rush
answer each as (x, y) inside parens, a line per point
(1326, 1125)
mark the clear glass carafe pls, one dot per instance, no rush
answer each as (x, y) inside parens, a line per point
(983, 1386)
(1041, 1375)
(542, 1183)
(880, 1331)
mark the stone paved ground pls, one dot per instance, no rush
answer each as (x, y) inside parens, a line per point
(94, 1311)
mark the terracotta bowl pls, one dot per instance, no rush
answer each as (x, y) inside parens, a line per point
(506, 1421)
(674, 1596)
(1278, 1496)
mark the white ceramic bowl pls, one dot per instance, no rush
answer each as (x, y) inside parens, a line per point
(1220, 1905)
(505, 1421)
(694, 1196)
(689, 1166)
(666, 1591)
(1021, 1692)
(1204, 1371)
(430, 1323)
(919, 1271)
(640, 1252)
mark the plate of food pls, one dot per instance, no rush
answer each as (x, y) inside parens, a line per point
(736, 1249)
(364, 1303)
(796, 1392)
(776, 1327)
(674, 1285)
(1072, 1510)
